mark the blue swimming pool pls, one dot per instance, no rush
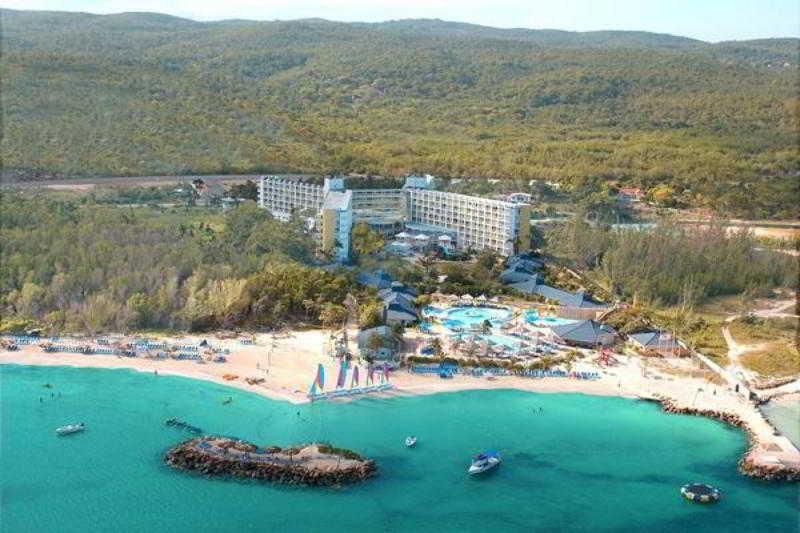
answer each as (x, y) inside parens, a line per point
(467, 317)
(508, 341)
(532, 317)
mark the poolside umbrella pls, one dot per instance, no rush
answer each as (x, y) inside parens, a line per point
(402, 235)
(482, 298)
(422, 237)
(467, 297)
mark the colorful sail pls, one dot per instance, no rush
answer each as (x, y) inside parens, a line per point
(319, 380)
(354, 380)
(321, 376)
(340, 380)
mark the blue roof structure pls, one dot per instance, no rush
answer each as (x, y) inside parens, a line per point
(394, 313)
(585, 332)
(399, 287)
(527, 263)
(390, 297)
(655, 339)
(528, 286)
(511, 275)
(378, 279)
(532, 285)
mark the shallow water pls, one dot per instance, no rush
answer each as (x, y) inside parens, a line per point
(466, 317)
(584, 464)
(785, 416)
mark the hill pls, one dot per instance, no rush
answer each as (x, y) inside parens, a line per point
(144, 94)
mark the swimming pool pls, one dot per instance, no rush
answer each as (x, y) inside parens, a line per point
(508, 341)
(532, 317)
(467, 317)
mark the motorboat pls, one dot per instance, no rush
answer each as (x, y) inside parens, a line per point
(69, 429)
(411, 442)
(483, 462)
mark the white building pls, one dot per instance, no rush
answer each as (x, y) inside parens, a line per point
(468, 222)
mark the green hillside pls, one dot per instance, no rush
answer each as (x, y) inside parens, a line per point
(144, 94)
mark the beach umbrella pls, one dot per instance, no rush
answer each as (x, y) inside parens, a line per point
(482, 298)
(402, 235)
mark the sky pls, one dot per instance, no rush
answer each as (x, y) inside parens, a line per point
(708, 20)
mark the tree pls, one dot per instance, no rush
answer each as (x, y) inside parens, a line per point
(366, 241)
(436, 345)
(375, 342)
(247, 190)
(370, 314)
(332, 315)
(662, 195)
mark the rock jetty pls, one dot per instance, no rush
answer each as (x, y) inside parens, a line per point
(311, 464)
(749, 464)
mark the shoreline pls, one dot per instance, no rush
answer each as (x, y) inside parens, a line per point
(284, 367)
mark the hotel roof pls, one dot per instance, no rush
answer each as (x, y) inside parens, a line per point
(584, 332)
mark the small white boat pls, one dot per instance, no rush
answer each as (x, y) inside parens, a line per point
(411, 442)
(484, 462)
(69, 429)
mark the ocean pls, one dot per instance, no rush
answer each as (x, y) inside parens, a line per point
(583, 463)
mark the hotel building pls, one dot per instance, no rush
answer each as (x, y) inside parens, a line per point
(468, 222)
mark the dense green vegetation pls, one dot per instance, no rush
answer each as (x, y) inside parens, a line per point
(77, 265)
(145, 94)
(672, 265)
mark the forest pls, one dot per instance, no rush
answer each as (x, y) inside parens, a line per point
(715, 125)
(79, 265)
(672, 265)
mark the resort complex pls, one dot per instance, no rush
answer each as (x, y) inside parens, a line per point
(413, 212)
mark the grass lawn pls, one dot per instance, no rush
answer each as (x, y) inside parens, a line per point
(776, 359)
(752, 330)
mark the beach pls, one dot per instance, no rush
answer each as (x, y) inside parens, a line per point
(287, 363)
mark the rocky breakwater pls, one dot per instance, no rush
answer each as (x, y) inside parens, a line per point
(310, 464)
(753, 462)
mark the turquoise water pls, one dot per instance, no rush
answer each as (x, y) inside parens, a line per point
(533, 317)
(465, 317)
(584, 464)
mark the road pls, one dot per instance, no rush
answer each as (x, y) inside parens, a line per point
(130, 180)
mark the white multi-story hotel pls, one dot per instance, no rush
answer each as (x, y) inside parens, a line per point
(466, 222)
(479, 223)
